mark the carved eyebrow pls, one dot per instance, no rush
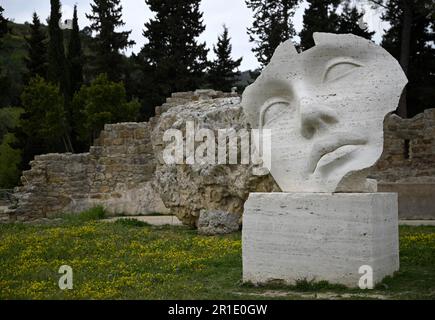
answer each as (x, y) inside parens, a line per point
(340, 60)
(267, 105)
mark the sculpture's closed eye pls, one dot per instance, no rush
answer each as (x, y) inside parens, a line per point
(272, 110)
(339, 69)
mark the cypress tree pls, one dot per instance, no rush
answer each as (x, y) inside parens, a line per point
(57, 65)
(221, 74)
(75, 72)
(272, 25)
(173, 59)
(320, 16)
(106, 16)
(75, 57)
(36, 60)
(56, 51)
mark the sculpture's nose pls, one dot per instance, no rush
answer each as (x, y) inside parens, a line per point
(315, 116)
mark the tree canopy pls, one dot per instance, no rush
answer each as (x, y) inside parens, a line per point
(272, 25)
(106, 17)
(36, 60)
(172, 58)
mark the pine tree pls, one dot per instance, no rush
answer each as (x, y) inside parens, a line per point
(173, 59)
(272, 25)
(348, 22)
(75, 57)
(106, 16)
(320, 16)
(221, 74)
(133, 77)
(410, 40)
(36, 60)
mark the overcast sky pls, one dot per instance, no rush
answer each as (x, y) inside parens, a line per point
(233, 13)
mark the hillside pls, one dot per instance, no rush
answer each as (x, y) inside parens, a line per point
(13, 51)
(12, 55)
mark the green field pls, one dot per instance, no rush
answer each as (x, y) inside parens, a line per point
(132, 260)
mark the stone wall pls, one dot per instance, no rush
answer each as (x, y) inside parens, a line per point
(117, 173)
(409, 149)
(190, 191)
(407, 165)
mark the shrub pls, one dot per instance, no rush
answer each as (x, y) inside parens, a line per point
(10, 160)
(10, 156)
(44, 115)
(100, 103)
(132, 223)
(96, 213)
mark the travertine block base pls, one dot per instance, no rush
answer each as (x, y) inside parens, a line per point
(295, 236)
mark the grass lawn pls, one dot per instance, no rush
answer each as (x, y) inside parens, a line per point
(132, 260)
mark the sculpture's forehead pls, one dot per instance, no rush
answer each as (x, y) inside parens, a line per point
(288, 64)
(291, 74)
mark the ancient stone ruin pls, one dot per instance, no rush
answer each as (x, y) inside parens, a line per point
(409, 150)
(407, 165)
(117, 173)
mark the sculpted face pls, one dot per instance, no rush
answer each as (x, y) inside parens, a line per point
(325, 108)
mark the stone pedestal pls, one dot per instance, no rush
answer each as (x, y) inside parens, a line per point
(296, 236)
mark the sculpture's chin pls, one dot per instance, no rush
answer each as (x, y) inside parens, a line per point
(347, 164)
(348, 174)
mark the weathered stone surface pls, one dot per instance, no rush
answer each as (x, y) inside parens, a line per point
(4, 217)
(218, 222)
(325, 108)
(407, 165)
(409, 150)
(188, 189)
(180, 98)
(297, 236)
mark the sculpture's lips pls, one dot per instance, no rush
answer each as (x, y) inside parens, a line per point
(330, 144)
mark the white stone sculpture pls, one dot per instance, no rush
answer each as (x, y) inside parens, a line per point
(326, 108)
